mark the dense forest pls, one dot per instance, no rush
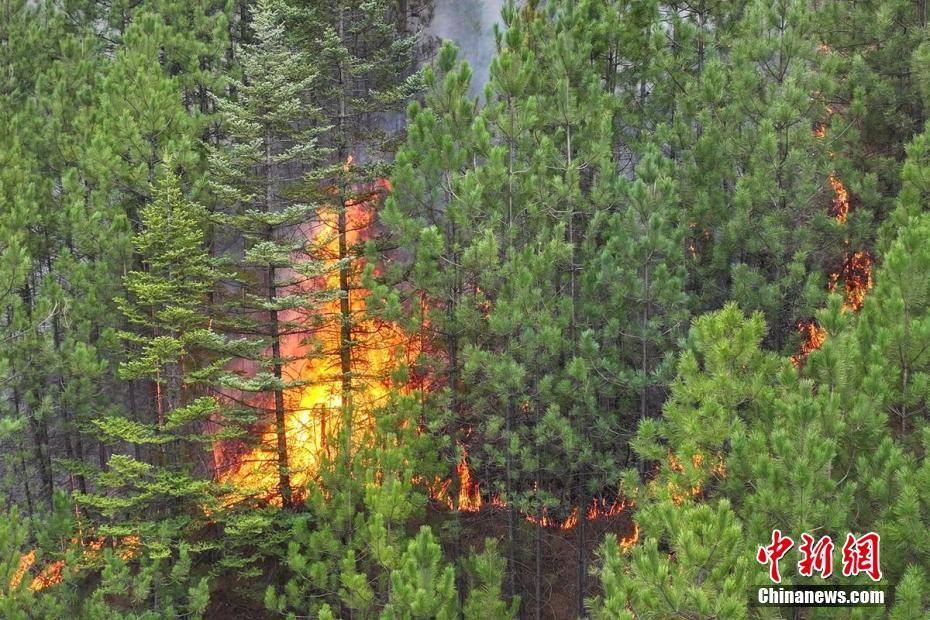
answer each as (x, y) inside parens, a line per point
(309, 313)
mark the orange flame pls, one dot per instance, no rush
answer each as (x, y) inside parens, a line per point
(813, 337)
(856, 274)
(627, 542)
(597, 509)
(49, 575)
(839, 207)
(52, 573)
(314, 410)
(25, 563)
(470, 500)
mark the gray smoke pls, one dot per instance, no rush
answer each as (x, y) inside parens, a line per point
(470, 24)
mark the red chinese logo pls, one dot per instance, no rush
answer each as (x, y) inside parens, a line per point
(860, 555)
(773, 553)
(816, 556)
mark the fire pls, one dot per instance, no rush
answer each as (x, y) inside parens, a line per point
(813, 336)
(856, 274)
(314, 410)
(50, 575)
(25, 563)
(856, 271)
(627, 542)
(839, 207)
(53, 573)
(597, 509)
(470, 500)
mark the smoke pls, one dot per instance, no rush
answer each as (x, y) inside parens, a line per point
(470, 24)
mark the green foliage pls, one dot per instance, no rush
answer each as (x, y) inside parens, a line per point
(696, 561)
(171, 345)
(420, 586)
(345, 551)
(485, 599)
(161, 586)
(178, 189)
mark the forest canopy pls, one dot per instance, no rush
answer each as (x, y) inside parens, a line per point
(304, 315)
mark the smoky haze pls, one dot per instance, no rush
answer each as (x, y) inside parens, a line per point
(470, 25)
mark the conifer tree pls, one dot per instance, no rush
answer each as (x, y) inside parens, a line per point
(343, 553)
(272, 141)
(171, 344)
(755, 175)
(365, 55)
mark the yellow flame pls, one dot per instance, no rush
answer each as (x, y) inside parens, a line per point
(314, 411)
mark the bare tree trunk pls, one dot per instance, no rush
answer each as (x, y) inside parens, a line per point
(345, 306)
(284, 476)
(26, 489)
(582, 549)
(345, 334)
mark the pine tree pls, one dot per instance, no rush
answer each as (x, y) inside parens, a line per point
(485, 599)
(421, 587)
(18, 601)
(880, 104)
(343, 551)
(755, 175)
(640, 321)
(272, 141)
(527, 210)
(163, 586)
(366, 57)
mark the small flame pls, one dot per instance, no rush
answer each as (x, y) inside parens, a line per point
(470, 500)
(597, 509)
(813, 336)
(25, 563)
(50, 576)
(856, 274)
(839, 207)
(627, 542)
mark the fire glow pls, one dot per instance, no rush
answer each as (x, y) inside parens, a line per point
(314, 409)
(53, 572)
(855, 272)
(470, 499)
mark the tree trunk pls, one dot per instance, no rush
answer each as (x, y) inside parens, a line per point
(284, 476)
(511, 509)
(582, 549)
